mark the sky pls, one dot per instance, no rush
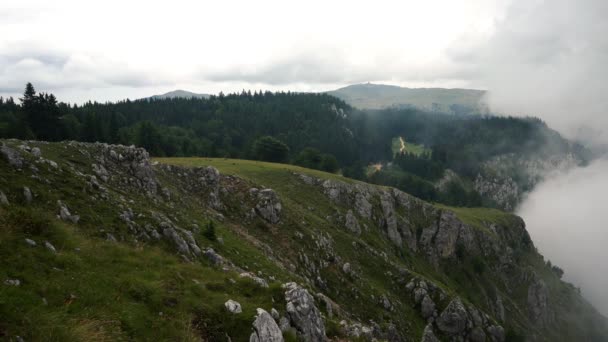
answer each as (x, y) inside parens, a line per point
(109, 50)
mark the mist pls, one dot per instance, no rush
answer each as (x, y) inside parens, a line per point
(566, 217)
(548, 59)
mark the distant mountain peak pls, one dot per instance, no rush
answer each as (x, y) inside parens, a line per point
(179, 93)
(378, 96)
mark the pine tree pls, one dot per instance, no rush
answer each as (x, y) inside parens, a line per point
(210, 231)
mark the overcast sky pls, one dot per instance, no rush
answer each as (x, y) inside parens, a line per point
(107, 50)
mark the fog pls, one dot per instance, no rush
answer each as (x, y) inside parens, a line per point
(567, 217)
(548, 59)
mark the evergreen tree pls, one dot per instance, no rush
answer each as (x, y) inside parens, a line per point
(210, 231)
(270, 149)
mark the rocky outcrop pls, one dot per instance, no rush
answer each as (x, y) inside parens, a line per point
(64, 213)
(538, 302)
(453, 320)
(265, 329)
(12, 156)
(351, 223)
(267, 204)
(233, 306)
(303, 314)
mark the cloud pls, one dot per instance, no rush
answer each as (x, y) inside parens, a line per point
(566, 218)
(548, 59)
(55, 69)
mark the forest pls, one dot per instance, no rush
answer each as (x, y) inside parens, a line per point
(308, 129)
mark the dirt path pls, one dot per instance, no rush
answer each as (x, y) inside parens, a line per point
(402, 145)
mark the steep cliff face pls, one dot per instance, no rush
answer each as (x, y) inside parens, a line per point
(507, 178)
(300, 253)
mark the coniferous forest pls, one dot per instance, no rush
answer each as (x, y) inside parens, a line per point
(308, 129)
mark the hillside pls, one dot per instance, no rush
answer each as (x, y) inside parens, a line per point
(184, 94)
(101, 243)
(380, 96)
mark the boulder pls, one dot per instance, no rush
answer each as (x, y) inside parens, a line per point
(36, 152)
(3, 199)
(13, 157)
(303, 314)
(427, 307)
(27, 194)
(265, 329)
(30, 242)
(268, 206)
(233, 306)
(50, 247)
(215, 258)
(453, 320)
(496, 332)
(428, 335)
(64, 213)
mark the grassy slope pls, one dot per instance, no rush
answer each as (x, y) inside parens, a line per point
(121, 288)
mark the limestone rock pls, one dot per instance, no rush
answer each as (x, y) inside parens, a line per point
(453, 320)
(13, 157)
(303, 314)
(27, 194)
(30, 242)
(351, 223)
(265, 329)
(64, 213)
(428, 335)
(538, 302)
(233, 306)
(3, 199)
(268, 206)
(215, 258)
(12, 282)
(50, 247)
(427, 307)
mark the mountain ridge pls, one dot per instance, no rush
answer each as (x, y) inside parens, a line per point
(381, 96)
(417, 271)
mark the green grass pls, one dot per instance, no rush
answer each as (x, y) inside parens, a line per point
(407, 147)
(105, 291)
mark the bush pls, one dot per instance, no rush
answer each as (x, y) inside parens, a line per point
(270, 149)
(210, 231)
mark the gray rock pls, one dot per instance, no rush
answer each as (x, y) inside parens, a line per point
(346, 268)
(171, 234)
(538, 302)
(36, 152)
(351, 223)
(260, 281)
(101, 172)
(303, 314)
(13, 157)
(390, 219)
(50, 247)
(110, 238)
(427, 307)
(453, 320)
(233, 306)
(477, 335)
(215, 258)
(3, 199)
(12, 282)
(268, 206)
(30, 242)
(428, 335)
(64, 213)
(284, 324)
(275, 314)
(265, 329)
(27, 193)
(496, 332)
